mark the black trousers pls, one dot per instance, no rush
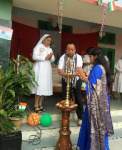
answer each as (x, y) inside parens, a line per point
(77, 94)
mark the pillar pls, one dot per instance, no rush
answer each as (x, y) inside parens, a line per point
(5, 20)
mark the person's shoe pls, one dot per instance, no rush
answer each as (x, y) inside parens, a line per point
(79, 122)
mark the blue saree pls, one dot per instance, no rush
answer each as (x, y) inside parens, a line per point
(97, 123)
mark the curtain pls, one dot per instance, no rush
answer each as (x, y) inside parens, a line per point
(24, 40)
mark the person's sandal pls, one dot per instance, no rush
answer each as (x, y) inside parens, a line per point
(42, 109)
(37, 109)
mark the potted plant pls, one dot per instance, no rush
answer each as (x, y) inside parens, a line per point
(15, 84)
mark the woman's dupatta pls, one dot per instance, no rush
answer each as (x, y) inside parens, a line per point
(99, 113)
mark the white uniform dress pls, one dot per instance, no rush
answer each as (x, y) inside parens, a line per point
(117, 86)
(43, 71)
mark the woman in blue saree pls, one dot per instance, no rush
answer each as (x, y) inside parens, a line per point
(97, 122)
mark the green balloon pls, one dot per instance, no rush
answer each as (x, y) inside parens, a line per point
(46, 120)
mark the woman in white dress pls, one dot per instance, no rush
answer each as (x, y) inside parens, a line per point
(43, 56)
(117, 86)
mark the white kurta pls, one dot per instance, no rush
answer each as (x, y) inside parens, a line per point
(43, 71)
(117, 86)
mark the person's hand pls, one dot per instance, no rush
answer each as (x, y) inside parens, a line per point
(77, 74)
(81, 74)
(49, 56)
(79, 71)
(63, 74)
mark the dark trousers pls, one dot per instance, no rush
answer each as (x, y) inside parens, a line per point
(77, 94)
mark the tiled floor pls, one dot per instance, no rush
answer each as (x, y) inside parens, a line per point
(50, 106)
(50, 102)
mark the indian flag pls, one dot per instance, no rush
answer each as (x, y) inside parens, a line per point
(99, 2)
(22, 106)
(5, 33)
(111, 6)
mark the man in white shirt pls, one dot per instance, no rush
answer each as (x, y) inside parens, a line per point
(76, 82)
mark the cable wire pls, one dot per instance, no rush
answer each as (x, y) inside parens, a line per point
(35, 139)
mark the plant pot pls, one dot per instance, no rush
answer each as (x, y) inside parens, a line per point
(16, 121)
(12, 141)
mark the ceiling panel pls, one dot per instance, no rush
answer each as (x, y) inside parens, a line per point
(74, 9)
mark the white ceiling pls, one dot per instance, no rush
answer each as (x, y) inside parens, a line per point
(74, 9)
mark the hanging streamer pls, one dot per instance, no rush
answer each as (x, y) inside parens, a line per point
(111, 6)
(60, 14)
(103, 20)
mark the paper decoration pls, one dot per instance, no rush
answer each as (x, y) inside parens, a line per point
(111, 6)
(101, 34)
(60, 14)
(99, 2)
(22, 106)
(5, 33)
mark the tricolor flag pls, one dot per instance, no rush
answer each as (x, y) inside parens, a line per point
(5, 33)
(111, 6)
(99, 2)
(22, 106)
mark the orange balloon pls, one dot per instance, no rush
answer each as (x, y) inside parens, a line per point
(33, 119)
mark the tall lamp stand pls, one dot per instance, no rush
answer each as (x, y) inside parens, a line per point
(66, 106)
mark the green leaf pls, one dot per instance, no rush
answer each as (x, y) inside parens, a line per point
(6, 126)
(1, 73)
(22, 70)
(18, 114)
(12, 93)
(29, 64)
(10, 70)
(3, 113)
(13, 87)
(3, 81)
